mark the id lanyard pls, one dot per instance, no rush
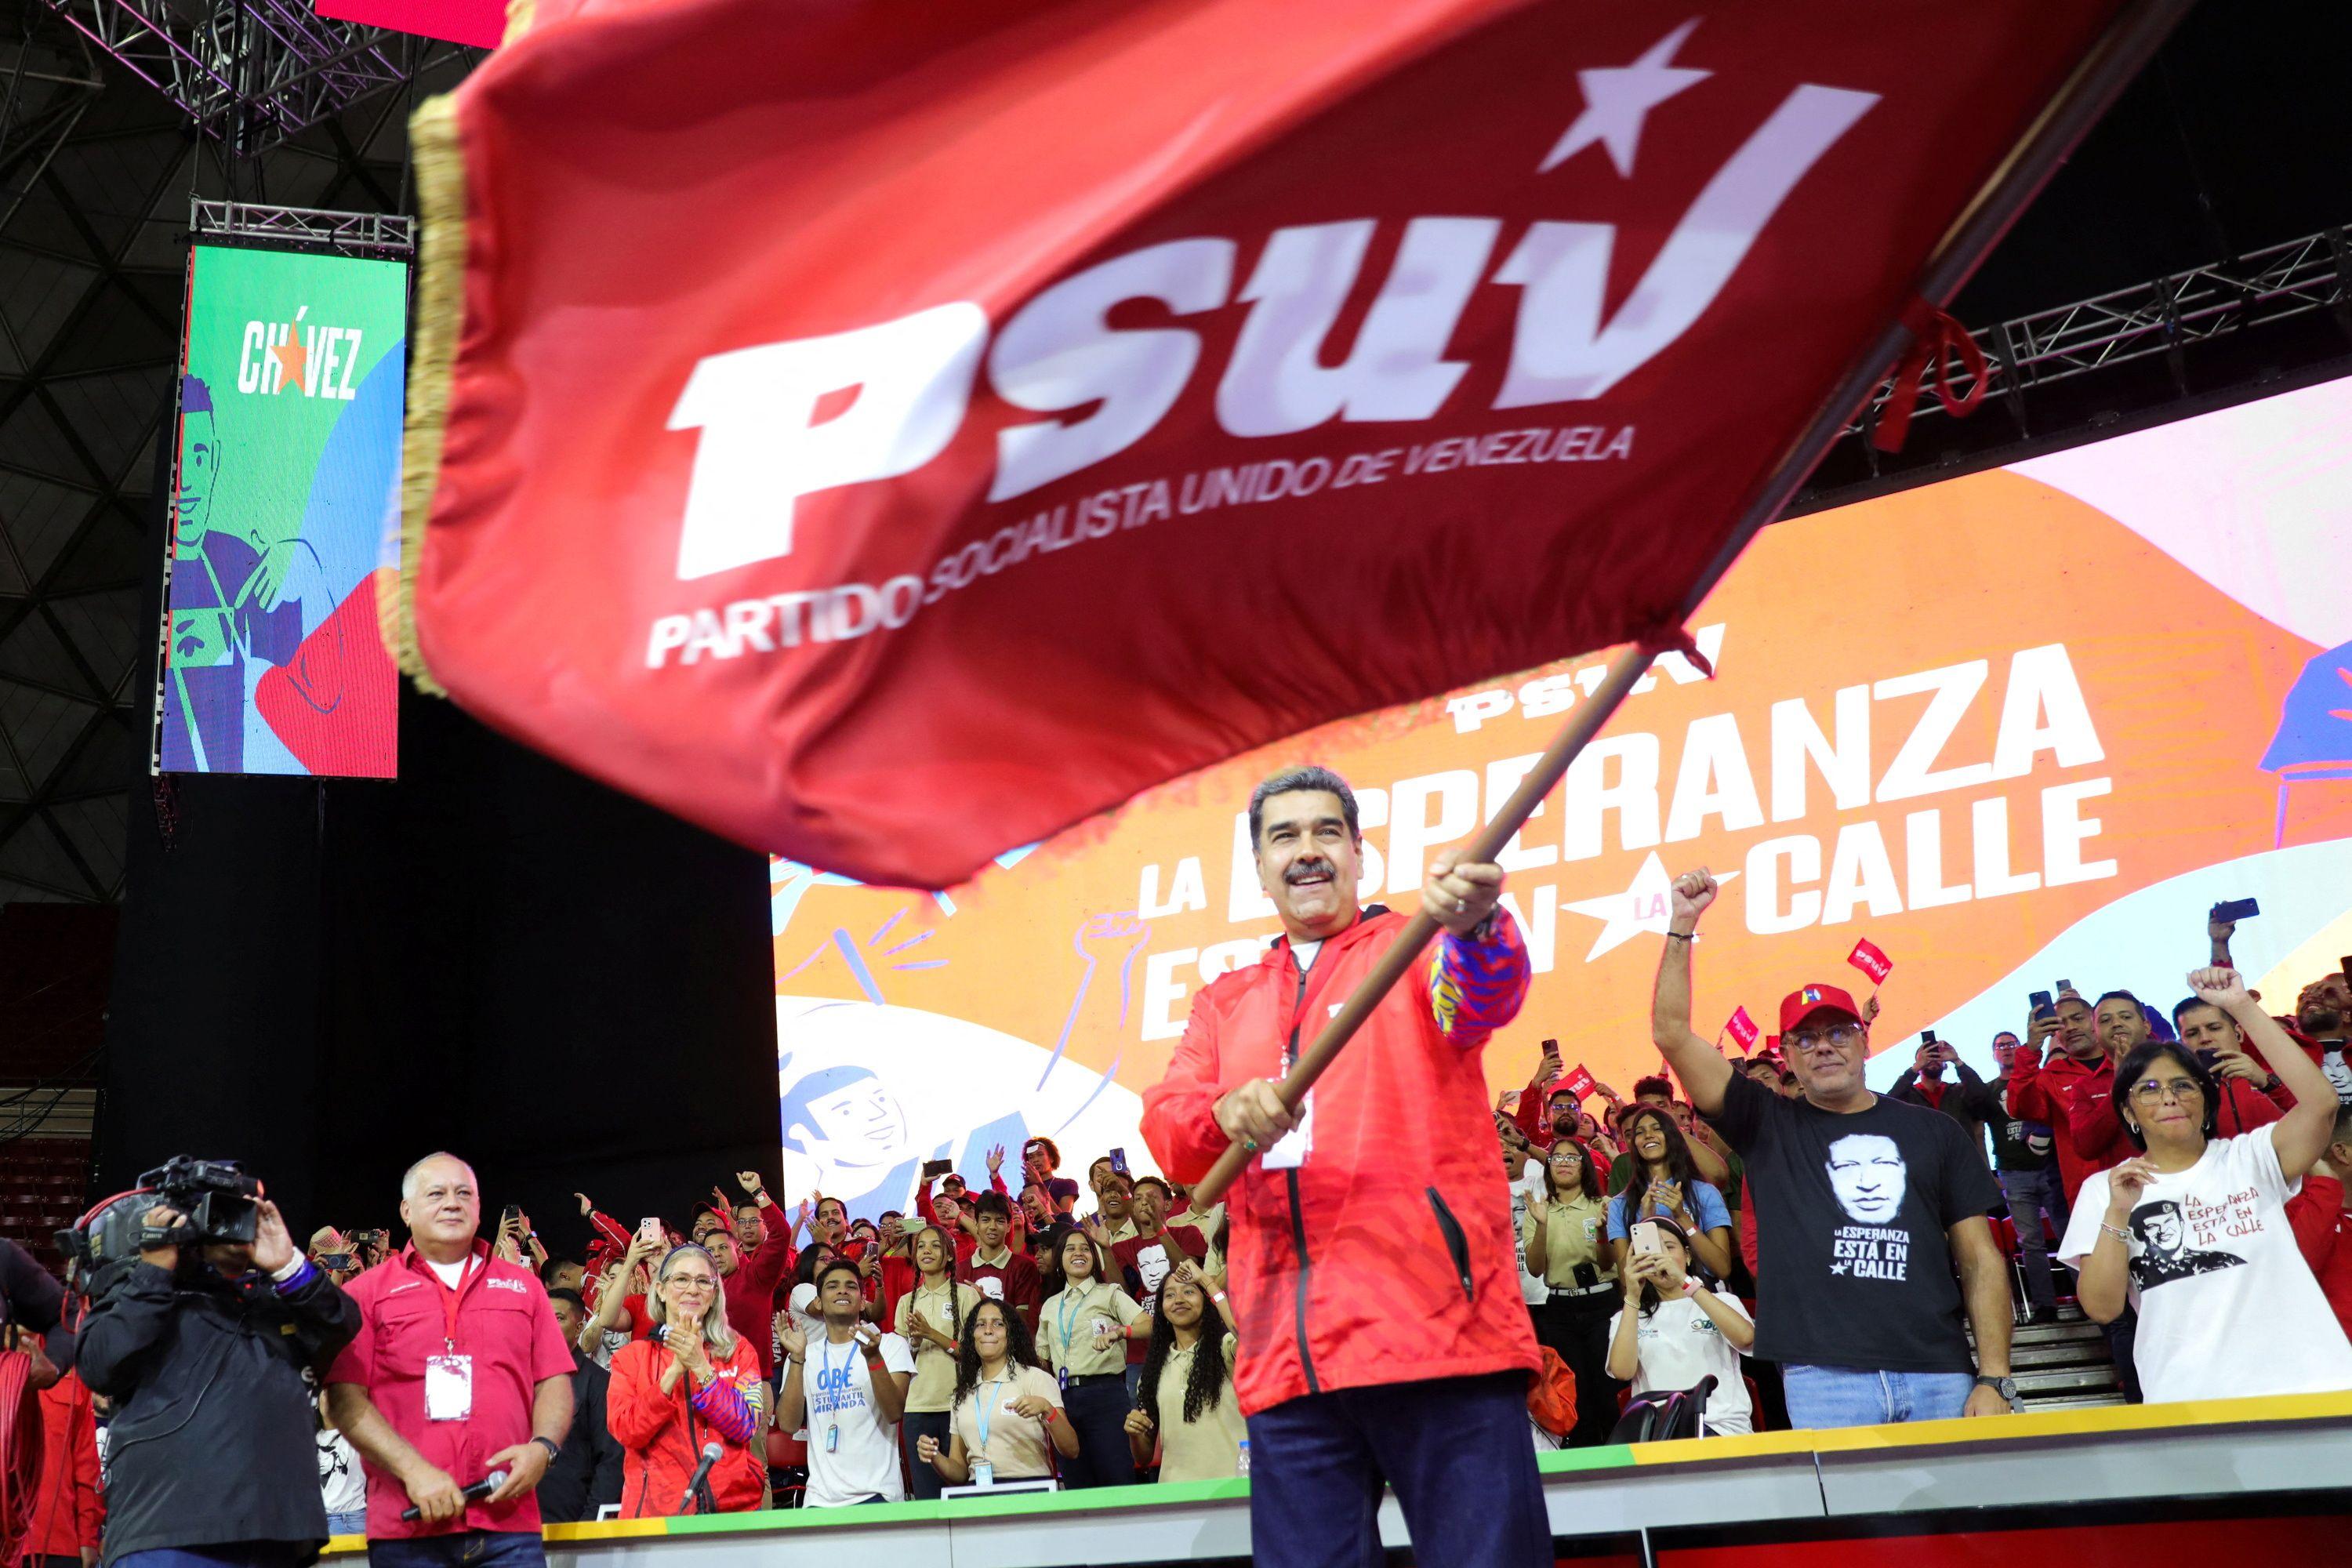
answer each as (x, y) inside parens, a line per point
(452, 1301)
(824, 1371)
(981, 1411)
(1066, 1302)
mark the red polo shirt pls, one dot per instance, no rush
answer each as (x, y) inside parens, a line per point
(503, 1320)
(1144, 1261)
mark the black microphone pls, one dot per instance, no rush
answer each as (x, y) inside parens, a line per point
(473, 1493)
(710, 1452)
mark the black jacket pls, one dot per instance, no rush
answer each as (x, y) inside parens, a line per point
(1972, 1102)
(211, 1440)
(588, 1471)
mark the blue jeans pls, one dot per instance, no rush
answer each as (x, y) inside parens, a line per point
(221, 1554)
(352, 1523)
(2031, 1195)
(1821, 1396)
(468, 1549)
(923, 1483)
(1457, 1450)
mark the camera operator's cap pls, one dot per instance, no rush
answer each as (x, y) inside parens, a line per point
(1808, 1000)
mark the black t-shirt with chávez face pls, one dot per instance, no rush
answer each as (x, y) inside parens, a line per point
(1853, 1263)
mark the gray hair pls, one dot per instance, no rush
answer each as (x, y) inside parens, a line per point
(408, 1177)
(1290, 780)
(715, 1331)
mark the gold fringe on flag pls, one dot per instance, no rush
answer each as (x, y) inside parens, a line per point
(440, 161)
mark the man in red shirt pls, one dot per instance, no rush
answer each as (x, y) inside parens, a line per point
(1145, 1258)
(2321, 1216)
(751, 1281)
(459, 1370)
(2045, 1091)
(994, 1269)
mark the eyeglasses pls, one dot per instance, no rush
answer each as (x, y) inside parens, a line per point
(2152, 1092)
(690, 1281)
(1843, 1036)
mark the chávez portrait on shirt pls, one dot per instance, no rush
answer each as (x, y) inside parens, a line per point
(2175, 1241)
(1867, 1174)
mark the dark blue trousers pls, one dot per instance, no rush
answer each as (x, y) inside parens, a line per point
(1458, 1451)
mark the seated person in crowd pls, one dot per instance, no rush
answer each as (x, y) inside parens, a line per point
(698, 1383)
(2192, 1230)
(1664, 1184)
(1006, 1410)
(1189, 1409)
(1673, 1332)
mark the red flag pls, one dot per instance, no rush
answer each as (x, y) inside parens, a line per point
(1867, 957)
(1579, 1082)
(1743, 1030)
(887, 434)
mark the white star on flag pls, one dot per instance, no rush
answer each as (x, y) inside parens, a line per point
(1644, 907)
(1617, 96)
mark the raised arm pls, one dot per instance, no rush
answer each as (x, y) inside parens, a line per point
(2301, 1135)
(1705, 1074)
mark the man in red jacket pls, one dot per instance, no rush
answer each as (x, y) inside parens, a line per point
(751, 1279)
(2045, 1091)
(68, 1508)
(1374, 1278)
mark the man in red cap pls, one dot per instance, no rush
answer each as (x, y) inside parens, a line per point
(1863, 1205)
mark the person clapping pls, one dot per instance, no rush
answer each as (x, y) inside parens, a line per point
(1007, 1409)
(1188, 1404)
(695, 1383)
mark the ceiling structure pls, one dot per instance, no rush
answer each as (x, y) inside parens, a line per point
(2199, 230)
(97, 170)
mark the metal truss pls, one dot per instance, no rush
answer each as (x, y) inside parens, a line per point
(2161, 317)
(363, 234)
(251, 73)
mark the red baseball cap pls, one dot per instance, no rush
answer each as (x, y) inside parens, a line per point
(1807, 1000)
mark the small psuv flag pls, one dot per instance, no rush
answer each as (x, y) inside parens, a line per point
(1743, 1030)
(1870, 962)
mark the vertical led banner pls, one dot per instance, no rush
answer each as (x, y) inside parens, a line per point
(293, 381)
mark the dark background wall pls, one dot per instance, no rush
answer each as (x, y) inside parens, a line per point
(329, 979)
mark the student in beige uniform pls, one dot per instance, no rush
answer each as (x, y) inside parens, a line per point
(1082, 1332)
(930, 1318)
(1567, 1244)
(1006, 1408)
(1189, 1405)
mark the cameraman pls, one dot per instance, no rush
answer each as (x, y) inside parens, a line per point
(200, 1344)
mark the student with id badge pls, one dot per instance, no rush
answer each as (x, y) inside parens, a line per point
(1084, 1329)
(1007, 1421)
(848, 1383)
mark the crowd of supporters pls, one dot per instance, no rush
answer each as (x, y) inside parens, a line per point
(1736, 1224)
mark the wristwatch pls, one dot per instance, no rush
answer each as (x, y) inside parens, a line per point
(554, 1449)
(2004, 1387)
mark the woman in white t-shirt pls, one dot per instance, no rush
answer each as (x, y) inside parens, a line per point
(1673, 1332)
(2193, 1232)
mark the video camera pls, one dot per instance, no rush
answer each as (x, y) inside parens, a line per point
(215, 1199)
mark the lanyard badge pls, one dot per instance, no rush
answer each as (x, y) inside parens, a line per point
(449, 1387)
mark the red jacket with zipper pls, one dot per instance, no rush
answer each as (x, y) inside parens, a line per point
(663, 1434)
(1387, 1256)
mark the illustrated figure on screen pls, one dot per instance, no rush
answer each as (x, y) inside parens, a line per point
(845, 1123)
(1867, 1174)
(236, 609)
(2165, 1253)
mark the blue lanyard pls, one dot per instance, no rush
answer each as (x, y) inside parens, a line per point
(981, 1412)
(1067, 1297)
(824, 1368)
